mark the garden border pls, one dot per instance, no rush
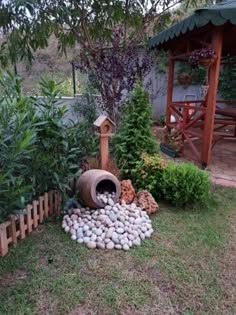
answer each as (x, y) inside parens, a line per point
(21, 225)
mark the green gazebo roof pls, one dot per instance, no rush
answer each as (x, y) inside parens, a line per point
(217, 15)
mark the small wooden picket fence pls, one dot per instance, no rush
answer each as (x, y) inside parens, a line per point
(21, 225)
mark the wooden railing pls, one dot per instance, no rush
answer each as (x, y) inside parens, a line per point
(21, 225)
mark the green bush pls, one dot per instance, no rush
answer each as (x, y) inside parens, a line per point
(38, 150)
(180, 184)
(134, 135)
(162, 120)
(184, 184)
(147, 174)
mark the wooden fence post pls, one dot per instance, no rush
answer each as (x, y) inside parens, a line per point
(35, 213)
(29, 218)
(22, 226)
(51, 203)
(46, 205)
(41, 212)
(3, 240)
(13, 229)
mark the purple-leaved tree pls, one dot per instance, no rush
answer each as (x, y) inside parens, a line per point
(115, 67)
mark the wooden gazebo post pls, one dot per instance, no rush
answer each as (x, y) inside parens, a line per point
(217, 39)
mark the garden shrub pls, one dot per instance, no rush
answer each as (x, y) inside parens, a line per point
(39, 151)
(180, 184)
(134, 135)
(184, 184)
(147, 174)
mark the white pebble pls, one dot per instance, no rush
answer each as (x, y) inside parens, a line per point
(111, 202)
(137, 241)
(144, 229)
(93, 237)
(86, 239)
(110, 245)
(148, 234)
(88, 233)
(131, 237)
(142, 236)
(118, 226)
(76, 226)
(112, 217)
(125, 247)
(108, 208)
(91, 244)
(67, 229)
(86, 228)
(110, 232)
(100, 245)
(98, 232)
(120, 230)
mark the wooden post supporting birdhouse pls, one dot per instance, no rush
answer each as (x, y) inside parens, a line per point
(105, 128)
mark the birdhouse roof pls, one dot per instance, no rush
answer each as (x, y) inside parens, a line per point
(101, 120)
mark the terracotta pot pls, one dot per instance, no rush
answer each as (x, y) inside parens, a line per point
(184, 78)
(206, 61)
(93, 181)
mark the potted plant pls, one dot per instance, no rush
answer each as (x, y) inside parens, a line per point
(203, 56)
(184, 78)
(172, 143)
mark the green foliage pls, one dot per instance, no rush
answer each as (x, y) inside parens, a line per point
(86, 107)
(134, 135)
(162, 60)
(147, 174)
(65, 86)
(199, 74)
(38, 151)
(162, 120)
(184, 184)
(180, 184)
(227, 80)
(28, 24)
(87, 110)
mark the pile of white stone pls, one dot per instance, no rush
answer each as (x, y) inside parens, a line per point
(119, 226)
(106, 197)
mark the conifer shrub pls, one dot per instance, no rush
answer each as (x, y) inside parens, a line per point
(134, 135)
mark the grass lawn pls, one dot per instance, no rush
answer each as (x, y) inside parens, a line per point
(188, 267)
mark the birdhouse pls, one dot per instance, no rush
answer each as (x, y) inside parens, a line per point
(104, 125)
(105, 128)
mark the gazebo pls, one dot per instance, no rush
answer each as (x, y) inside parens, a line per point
(201, 122)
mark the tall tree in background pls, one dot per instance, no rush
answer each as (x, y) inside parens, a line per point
(109, 33)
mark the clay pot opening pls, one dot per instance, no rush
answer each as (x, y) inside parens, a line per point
(105, 185)
(94, 181)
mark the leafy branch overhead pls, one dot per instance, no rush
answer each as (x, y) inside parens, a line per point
(109, 35)
(28, 24)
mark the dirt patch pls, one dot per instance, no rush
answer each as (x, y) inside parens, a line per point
(227, 266)
(11, 278)
(159, 132)
(45, 304)
(82, 309)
